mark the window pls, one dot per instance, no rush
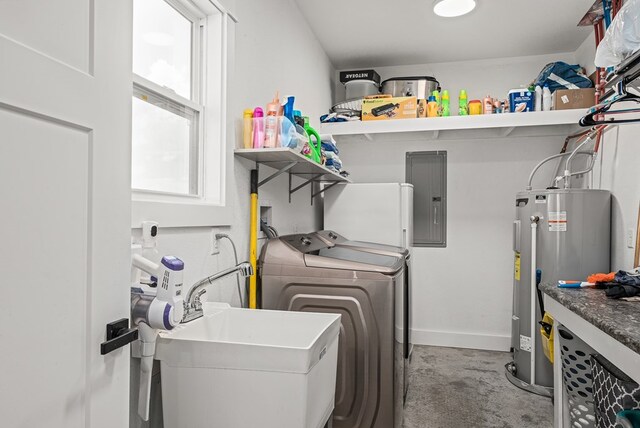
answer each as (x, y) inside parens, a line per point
(167, 137)
(182, 156)
(427, 171)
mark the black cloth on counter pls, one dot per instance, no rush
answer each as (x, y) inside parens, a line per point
(624, 285)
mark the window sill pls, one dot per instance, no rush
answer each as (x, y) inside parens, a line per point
(180, 214)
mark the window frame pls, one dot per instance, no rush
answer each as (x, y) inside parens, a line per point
(209, 207)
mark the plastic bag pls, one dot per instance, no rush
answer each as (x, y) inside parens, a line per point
(560, 75)
(622, 38)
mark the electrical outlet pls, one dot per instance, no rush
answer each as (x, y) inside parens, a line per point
(631, 238)
(215, 244)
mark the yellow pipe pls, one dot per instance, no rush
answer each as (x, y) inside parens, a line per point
(253, 241)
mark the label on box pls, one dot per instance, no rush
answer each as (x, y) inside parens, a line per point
(521, 101)
(557, 221)
(565, 99)
(525, 343)
(347, 76)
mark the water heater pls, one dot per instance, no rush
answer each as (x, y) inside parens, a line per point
(558, 234)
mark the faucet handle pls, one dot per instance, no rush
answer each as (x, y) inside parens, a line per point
(197, 304)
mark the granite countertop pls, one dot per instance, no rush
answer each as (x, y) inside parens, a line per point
(618, 318)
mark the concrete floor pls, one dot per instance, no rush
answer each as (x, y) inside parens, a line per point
(468, 389)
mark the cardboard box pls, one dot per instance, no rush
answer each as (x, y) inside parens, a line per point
(567, 99)
(389, 108)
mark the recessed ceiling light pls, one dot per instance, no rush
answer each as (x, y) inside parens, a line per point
(453, 8)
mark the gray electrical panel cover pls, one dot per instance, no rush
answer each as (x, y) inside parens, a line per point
(427, 171)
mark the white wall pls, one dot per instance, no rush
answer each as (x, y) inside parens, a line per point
(617, 170)
(586, 54)
(275, 51)
(463, 293)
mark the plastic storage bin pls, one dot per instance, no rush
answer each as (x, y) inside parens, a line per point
(577, 378)
(614, 392)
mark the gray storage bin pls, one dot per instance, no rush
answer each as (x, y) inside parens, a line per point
(577, 378)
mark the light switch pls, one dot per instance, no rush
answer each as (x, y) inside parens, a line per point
(631, 238)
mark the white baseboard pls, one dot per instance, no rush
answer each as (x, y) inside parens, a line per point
(453, 339)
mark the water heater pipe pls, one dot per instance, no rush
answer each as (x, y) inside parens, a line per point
(550, 158)
(567, 169)
(534, 294)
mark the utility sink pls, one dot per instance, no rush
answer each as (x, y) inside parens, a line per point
(248, 368)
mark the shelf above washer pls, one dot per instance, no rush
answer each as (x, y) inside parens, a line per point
(285, 160)
(533, 124)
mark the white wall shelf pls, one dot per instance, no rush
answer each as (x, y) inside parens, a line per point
(533, 124)
(290, 161)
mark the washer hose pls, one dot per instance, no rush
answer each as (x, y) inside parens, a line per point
(235, 255)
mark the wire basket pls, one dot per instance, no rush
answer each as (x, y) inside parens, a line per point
(577, 378)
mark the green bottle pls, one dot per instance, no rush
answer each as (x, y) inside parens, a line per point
(436, 95)
(316, 148)
(463, 103)
(446, 106)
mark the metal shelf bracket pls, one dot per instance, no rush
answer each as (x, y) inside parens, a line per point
(277, 173)
(306, 183)
(324, 189)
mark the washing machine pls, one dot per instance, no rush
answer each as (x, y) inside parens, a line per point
(306, 272)
(403, 295)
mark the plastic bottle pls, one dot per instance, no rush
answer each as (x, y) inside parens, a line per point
(538, 99)
(316, 148)
(446, 106)
(436, 96)
(546, 98)
(271, 124)
(463, 106)
(297, 118)
(432, 107)
(487, 104)
(287, 108)
(258, 128)
(247, 129)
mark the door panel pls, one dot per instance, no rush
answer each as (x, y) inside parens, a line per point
(65, 107)
(59, 190)
(41, 26)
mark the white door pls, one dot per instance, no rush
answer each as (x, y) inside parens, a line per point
(65, 106)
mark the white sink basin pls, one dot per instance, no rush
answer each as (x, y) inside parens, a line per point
(244, 368)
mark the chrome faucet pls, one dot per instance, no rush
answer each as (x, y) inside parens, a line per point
(192, 303)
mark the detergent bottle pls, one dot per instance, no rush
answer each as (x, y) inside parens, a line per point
(315, 152)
